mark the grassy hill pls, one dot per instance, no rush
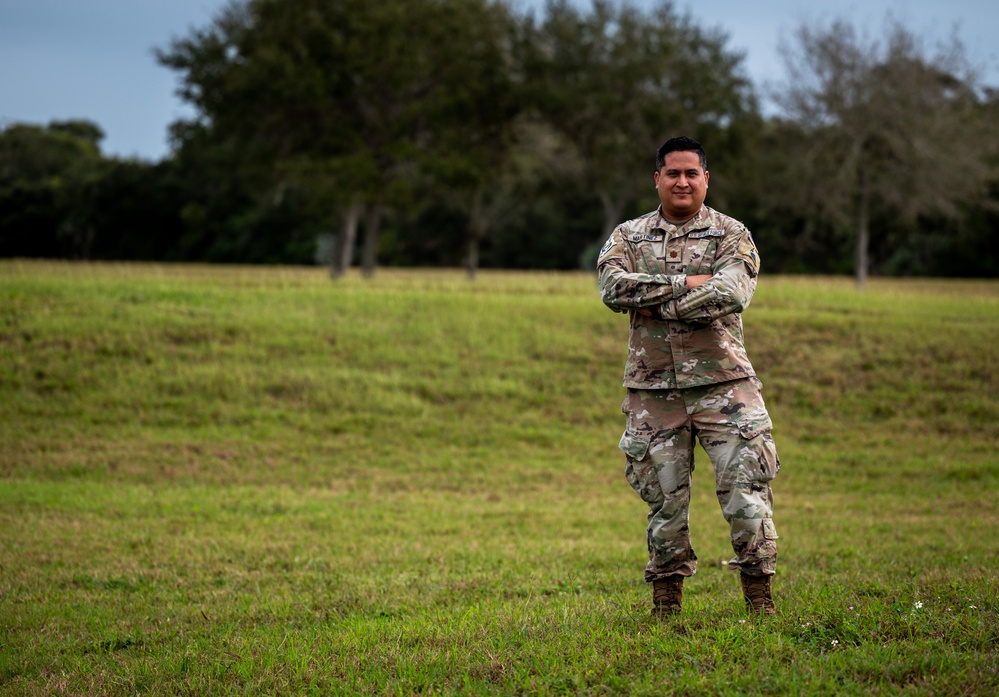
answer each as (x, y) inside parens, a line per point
(222, 480)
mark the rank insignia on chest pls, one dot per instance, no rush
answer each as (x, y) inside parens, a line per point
(674, 254)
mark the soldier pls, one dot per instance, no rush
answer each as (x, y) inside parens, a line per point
(684, 273)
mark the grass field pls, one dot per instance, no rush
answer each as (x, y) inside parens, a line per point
(237, 481)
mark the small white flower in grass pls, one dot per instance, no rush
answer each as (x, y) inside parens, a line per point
(742, 621)
(972, 607)
(918, 605)
(835, 643)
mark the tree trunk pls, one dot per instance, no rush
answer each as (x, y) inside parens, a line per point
(613, 210)
(476, 232)
(473, 257)
(863, 226)
(372, 226)
(344, 249)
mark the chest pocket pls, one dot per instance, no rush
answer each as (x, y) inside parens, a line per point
(644, 250)
(691, 255)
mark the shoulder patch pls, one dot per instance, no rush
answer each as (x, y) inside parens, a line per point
(713, 232)
(607, 245)
(747, 251)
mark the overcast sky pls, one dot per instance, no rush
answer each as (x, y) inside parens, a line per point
(93, 59)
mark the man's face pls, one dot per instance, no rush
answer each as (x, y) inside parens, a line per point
(682, 184)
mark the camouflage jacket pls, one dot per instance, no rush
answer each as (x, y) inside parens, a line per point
(695, 337)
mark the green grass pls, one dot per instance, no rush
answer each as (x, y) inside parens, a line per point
(234, 481)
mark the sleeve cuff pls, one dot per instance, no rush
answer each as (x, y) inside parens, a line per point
(679, 284)
(668, 310)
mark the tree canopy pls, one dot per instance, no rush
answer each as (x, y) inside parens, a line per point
(351, 93)
(892, 128)
(47, 179)
(467, 132)
(614, 89)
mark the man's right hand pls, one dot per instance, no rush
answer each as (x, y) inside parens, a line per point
(699, 279)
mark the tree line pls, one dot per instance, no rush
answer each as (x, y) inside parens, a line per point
(425, 132)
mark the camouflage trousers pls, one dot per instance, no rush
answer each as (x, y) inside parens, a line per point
(731, 423)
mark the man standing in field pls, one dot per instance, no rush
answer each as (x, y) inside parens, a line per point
(684, 273)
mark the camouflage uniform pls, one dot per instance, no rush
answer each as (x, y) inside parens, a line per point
(688, 375)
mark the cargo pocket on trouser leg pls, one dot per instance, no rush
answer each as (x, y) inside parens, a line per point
(643, 477)
(664, 485)
(757, 438)
(754, 536)
(639, 471)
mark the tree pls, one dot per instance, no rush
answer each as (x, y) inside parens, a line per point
(890, 128)
(48, 176)
(462, 104)
(136, 211)
(616, 82)
(349, 92)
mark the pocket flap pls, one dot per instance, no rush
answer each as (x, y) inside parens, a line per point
(750, 428)
(633, 446)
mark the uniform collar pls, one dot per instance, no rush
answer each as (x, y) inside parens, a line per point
(700, 221)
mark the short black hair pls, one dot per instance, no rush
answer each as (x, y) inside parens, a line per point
(680, 144)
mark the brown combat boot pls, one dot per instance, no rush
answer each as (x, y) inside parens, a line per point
(759, 597)
(667, 594)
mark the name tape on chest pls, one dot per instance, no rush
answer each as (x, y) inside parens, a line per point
(645, 237)
(698, 234)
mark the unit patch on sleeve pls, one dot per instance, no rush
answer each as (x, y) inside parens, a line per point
(607, 245)
(747, 252)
